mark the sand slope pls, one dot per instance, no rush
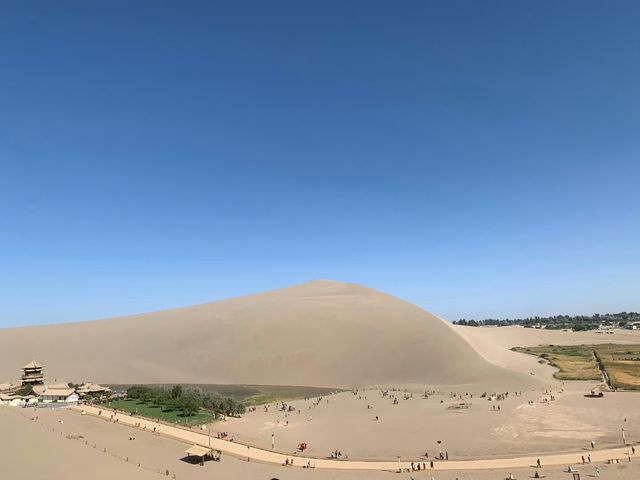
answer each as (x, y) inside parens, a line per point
(320, 333)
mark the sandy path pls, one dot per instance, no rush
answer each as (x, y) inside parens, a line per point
(252, 453)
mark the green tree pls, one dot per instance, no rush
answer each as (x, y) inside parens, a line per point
(24, 391)
(190, 404)
(136, 391)
(240, 409)
(176, 391)
(160, 397)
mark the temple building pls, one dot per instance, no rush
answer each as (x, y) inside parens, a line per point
(32, 374)
(59, 393)
(94, 390)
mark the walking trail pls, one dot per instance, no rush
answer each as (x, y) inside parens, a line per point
(252, 453)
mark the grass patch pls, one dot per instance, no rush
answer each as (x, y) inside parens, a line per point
(573, 362)
(157, 413)
(249, 393)
(576, 362)
(261, 399)
(622, 364)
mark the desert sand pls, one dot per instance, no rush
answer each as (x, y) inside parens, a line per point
(525, 423)
(321, 333)
(360, 334)
(412, 427)
(69, 445)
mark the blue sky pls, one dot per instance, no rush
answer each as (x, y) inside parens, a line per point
(476, 158)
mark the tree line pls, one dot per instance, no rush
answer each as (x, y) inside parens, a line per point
(189, 402)
(576, 322)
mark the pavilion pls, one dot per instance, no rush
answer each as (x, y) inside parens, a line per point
(32, 374)
(201, 454)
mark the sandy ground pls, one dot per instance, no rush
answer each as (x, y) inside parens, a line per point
(65, 444)
(30, 450)
(76, 458)
(412, 427)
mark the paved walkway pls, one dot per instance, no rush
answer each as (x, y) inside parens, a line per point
(258, 454)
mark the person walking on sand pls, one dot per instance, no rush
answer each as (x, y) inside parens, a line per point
(597, 472)
(538, 464)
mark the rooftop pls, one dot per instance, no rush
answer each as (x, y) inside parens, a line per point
(32, 364)
(58, 392)
(198, 451)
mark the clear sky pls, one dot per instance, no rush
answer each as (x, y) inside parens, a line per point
(477, 158)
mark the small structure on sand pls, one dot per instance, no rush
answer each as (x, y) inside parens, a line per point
(597, 391)
(199, 454)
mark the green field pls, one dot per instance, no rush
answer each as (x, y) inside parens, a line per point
(574, 362)
(251, 395)
(579, 362)
(153, 412)
(622, 364)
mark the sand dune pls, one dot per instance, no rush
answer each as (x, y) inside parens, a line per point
(320, 333)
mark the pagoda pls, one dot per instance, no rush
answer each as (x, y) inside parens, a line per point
(32, 374)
